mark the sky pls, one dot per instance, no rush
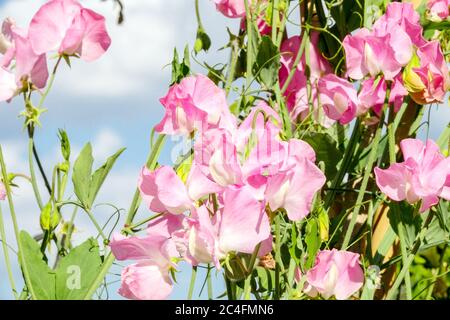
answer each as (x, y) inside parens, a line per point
(113, 103)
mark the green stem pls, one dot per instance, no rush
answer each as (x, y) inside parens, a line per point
(393, 291)
(275, 16)
(6, 255)
(151, 163)
(438, 273)
(15, 225)
(197, 15)
(296, 62)
(33, 174)
(362, 190)
(401, 226)
(348, 155)
(278, 260)
(209, 284)
(97, 226)
(247, 288)
(233, 62)
(249, 26)
(192, 283)
(404, 250)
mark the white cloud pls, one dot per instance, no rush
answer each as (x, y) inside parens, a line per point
(106, 143)
(140, 47)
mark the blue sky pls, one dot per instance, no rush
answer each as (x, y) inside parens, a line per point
(113, 102)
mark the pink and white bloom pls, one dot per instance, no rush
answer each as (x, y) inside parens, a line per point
(66, 27)
(231, 8)
(373, 94)
(421, 176)
(239, 226)
(148, 278)
(368, 54)
(428, 82)
(196, 103)
(297, 98)
(336, 273)
(338, 98)
(277, 172)
(387, 47)
(163, 191)
(20, 64)
(400, 16)
(438, 10)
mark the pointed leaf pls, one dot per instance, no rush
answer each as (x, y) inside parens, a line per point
(82, 174)
(42, 278)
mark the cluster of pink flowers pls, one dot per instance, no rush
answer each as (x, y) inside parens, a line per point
(242, 172)
(247, 167)
(394, 53)
(60, 26)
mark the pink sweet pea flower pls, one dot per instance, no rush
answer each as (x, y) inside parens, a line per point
(21, 60)
(294, 189)
(2, 191)
(163, 191)
(195, 103)
(231, 8)
(148, 279)
(422, 175)
(388, 47)
(68, 28)
(336, 273)
(373, 94)
(374, 54)
(296, 94)
(428, 82)
(239, 226)
(438, 10)
(338, 98)
(278, 171)
(400, 16)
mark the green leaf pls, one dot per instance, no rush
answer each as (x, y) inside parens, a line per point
(267, 62)
(77, 271)
(42, 278)
(312, 240)
(401, 212)
(326, 149)
(86, 187)
(82, 174)
(100, 175)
